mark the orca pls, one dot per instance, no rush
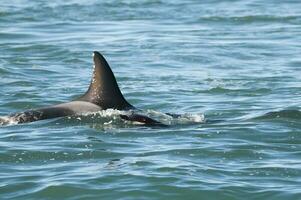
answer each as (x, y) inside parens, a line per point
(103, 93)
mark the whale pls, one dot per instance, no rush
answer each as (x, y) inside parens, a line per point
(103, 93)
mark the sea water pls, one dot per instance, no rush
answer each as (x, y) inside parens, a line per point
(231, 69)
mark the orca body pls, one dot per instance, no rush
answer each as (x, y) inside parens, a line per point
(103, 93)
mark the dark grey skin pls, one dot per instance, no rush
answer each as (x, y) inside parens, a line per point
(103, 93)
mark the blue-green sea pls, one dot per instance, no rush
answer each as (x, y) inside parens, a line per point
(232, 69)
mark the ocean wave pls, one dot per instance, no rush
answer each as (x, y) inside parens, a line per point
(282, 114)
(251, 18)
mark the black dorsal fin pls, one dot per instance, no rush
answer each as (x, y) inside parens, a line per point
(104, 90)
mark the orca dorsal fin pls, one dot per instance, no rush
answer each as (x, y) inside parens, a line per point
(103, 90)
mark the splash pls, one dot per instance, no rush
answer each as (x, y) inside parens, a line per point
(111, 118)
(176, 119)
(7, 121)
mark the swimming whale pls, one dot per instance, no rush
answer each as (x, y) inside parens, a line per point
(103, 93)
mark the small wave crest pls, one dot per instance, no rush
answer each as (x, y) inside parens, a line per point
(282, 114)
(252, 18)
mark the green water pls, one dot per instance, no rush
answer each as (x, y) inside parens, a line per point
(235, 62)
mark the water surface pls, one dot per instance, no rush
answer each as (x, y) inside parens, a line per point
(234, 61)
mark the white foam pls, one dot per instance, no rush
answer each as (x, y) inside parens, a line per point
(197, 118)
(7, 121)
(112, 116)
(186, 118)
(108, 113)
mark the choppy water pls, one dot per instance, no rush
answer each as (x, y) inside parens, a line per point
(234, 61)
